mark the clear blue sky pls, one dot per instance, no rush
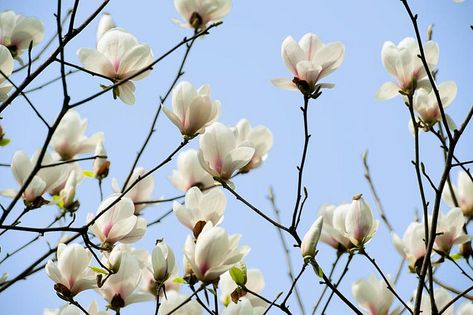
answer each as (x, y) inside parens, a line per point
(238, 60)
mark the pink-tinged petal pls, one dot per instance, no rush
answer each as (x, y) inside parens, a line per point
(284, 83)
(291, 54)
(448, 92)
(126, 91)
(95, 61)
(387, 91)
(310, 44)
(135, 60)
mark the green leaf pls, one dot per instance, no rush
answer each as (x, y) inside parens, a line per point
(4, 142)
(90, 174)
(179, 280)
(99, 270)
(456, 256)
(239, 275)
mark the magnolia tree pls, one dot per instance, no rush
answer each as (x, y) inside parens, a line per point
(95, 262)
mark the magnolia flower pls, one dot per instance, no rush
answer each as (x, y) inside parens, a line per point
(198, 13)
(412, 246)
(6, 66)
(213, 253)
(141, 191)
(427, 108)
(192, 110)
(244, 307)
(373, 295)
(118, 56)
(402, 63)
(465, 309)
(333, 228)
(101, 164)
(360, 224)
(255, 283)
(442, 298)
(259, 138)
(105, 24)
(112, 259)
(173, 300)
(220, 154)
(119, 288)
(199, 206)
(463, 192)
(311, 238)
(69, 140)
(46, 179)
(17, 32)
(450, 231)
(163, 261)
(118, 223)
(71, 273)
(71, 309)
(189, 172)
(309, 61)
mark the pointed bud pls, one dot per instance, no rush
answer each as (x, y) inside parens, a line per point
(101, 165)
(311, 238)
(106, 23)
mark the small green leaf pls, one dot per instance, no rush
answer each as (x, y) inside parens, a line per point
(456, 256)
(238, 274)
(90, 174)
(99, 270)
(179, 280)
(4, 142)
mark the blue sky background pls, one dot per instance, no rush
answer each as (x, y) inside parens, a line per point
(238, 60)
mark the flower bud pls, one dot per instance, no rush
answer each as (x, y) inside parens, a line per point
(311, 238)
(360, 223)
(101, 165)
(164, 262)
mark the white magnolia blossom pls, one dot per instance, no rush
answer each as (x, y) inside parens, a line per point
(427, 108)
(119, 289)
(333, 228)
(373, 295)
(198, 13)
(192, 110)
(46, 179)
(70, 309)
(71, 273)
(112, 259)
(463, 192)
(174, 299)
(360, 224)
(163, 262)
(450, 231)
(311, 238)
(442, 298)
(244, 307)
(69, 140)
(402, 63)
(17, 32)
(105, 24)
(259, 137)
(213, 253)
(255, 283)
(201, 206)
(412, 246)
(465, 309)
(220, 154)
(190, 173)
(141, 191)
(310, 60)
(6, 66)
(118, 56)
(118, 223)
